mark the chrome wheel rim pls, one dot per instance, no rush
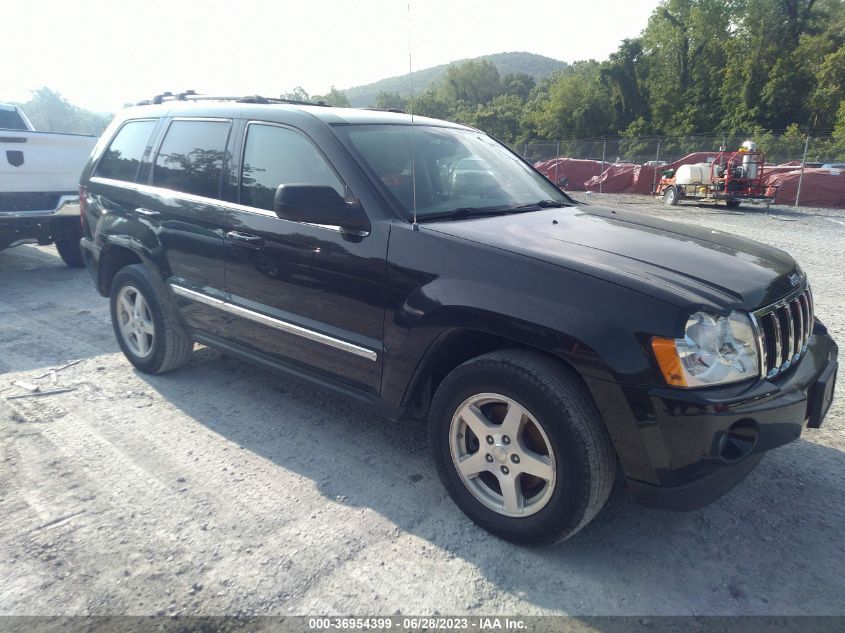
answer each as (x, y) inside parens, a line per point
(135, 321)
(502, 455)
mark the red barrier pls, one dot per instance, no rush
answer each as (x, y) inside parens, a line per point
(631, 178)
(819, 188)
(573, 171)
(617, 178)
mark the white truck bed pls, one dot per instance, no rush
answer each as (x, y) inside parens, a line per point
(42, 162)
(39, 184)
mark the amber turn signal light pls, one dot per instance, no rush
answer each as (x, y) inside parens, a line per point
(668, 361)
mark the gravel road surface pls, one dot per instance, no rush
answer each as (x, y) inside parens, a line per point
(224, 489)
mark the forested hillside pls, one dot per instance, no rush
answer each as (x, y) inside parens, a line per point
(699, 67)
(537, 66)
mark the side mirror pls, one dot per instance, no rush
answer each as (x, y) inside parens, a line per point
(318, 204)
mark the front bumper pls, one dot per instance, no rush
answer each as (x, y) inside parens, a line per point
(685, 448)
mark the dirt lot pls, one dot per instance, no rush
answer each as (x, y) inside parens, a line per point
(223, 489)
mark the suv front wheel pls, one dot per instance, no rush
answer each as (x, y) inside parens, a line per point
(521, 447)
(149, 338)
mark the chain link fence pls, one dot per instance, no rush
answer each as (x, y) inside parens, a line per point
(805, 170)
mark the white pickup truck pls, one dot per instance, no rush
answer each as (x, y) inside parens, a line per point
(39, 185)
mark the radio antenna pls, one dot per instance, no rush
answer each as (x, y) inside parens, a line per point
(411, 108)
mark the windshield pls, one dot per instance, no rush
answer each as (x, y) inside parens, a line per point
(455, 169)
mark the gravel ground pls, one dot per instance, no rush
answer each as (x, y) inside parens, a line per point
(223, 489)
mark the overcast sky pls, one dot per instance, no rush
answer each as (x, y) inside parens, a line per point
(101, 54)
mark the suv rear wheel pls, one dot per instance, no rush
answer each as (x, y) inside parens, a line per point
(147, 335)
(521, 447)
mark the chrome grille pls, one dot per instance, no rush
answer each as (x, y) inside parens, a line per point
(783, 332)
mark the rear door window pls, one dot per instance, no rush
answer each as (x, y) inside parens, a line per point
(276, 156)
(191, 157)
(123, 156)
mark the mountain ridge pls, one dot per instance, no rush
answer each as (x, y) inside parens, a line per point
(538, 66)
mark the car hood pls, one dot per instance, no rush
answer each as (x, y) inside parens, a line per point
(681, 264)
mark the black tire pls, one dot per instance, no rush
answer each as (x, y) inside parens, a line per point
(732, 204)
(670, 196)
(170, 347)
(67, 243)
(584, 459)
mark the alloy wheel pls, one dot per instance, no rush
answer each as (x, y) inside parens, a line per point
(502, 455)
(135, 321)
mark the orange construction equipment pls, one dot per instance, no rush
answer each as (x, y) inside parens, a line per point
(732, 177)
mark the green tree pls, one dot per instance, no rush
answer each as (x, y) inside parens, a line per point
(297, 94)
(334, 98)
(432, 103)
(821, 53)
(636, 138)
(623, 77)
(499, 118)
(766, 82)
(388, 100)
(49, 111)
(474, 82)
(683, 63)
(518, 84)
(576, 105)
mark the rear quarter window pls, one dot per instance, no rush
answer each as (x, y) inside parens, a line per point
(191, 157)
(11, 120)
(123, 156)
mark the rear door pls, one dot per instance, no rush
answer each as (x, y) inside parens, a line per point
(182, 203)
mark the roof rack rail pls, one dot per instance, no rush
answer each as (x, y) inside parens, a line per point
(191, 95)
(394, 110)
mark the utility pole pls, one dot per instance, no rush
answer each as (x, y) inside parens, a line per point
(601, 173)
(557, 161)
(656, 167)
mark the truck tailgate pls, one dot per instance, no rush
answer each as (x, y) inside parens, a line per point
(33, 162)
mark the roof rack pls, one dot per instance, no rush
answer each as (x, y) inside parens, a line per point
(394, 110)
(191, 95)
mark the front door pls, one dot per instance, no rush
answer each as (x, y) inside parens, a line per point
(308, 295)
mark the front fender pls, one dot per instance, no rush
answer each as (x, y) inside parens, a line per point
(600, 329)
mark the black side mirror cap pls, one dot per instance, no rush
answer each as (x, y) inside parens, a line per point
(318, 204)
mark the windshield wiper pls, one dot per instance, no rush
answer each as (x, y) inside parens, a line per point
(464, 212)
(544, 204)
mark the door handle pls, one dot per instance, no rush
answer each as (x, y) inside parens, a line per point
(245, 238)
(148, 213)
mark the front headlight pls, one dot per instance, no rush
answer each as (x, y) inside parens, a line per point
(714, 351)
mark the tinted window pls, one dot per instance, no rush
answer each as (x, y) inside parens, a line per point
(191, 157)
(276, 156)
(124, 154)
(11, 120)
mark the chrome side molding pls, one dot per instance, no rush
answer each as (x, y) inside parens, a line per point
(278, 324)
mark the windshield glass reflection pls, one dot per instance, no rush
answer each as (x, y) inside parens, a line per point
(446, 169)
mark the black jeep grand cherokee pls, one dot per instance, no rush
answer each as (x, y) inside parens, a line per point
(548, 344)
